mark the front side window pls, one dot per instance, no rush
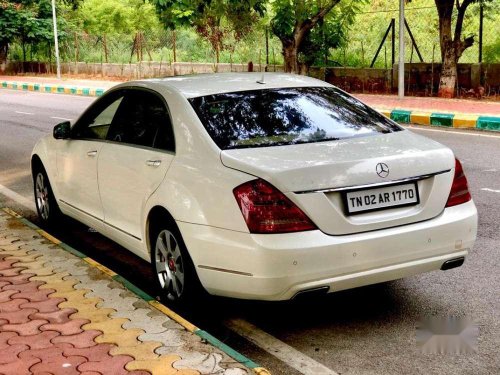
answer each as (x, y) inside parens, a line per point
(143, 120)
(96, 123)
(274, 117)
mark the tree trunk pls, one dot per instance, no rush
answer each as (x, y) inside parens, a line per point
(451, 47)
(448, 78)
(290, 52)
(77, 48)
(105, 46)
(174, 45)
(4, 50)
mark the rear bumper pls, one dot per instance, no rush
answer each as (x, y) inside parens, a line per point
(278, 266)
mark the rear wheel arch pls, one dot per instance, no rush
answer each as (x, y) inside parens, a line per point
(160, 220)
(156, 216)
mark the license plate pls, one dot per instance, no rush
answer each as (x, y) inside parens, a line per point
(381, 198)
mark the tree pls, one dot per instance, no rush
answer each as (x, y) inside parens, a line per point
(26, 20)
(214, 20)
(330, 33)
(109, 18)
(294, 23)
(452, 45)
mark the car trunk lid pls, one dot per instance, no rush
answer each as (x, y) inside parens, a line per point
(316, 176)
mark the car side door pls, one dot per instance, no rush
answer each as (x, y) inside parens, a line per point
(77, 157)
(139, 150)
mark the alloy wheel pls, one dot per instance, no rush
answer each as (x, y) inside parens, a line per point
(169, 265)
(42, 196)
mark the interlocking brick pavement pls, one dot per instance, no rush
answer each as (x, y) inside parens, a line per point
(59, 315)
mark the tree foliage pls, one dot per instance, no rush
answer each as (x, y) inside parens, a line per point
(309, 28)
(29, 21)
(116, 16)
(214, 20)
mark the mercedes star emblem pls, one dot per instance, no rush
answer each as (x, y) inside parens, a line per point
(382, 170)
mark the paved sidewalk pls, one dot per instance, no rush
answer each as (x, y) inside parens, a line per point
(472, 107)
(65, 314)
(457, 113)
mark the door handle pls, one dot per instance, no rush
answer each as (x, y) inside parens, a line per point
(92, 153)
(153, 163)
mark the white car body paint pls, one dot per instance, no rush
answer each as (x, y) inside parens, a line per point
(195, 184)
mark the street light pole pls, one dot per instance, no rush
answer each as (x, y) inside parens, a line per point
(56, 43)
(401, 70)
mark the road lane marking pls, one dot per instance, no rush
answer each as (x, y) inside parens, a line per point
(292, 357)
(60, 118)
(453, 132)
(23, 201)
(24, 113)
(490, 170)
(492, 190)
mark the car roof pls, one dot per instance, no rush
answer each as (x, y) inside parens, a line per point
(208, 84)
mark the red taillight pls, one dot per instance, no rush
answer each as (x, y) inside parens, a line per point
(459, 189)
(267, 210)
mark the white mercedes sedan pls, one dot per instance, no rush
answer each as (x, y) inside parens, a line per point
(256, 186)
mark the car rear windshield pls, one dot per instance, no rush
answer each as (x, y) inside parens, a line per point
(285, 116)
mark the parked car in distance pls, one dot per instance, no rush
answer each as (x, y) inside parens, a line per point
(256, 186)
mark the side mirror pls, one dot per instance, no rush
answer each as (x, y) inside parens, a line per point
(62, 130)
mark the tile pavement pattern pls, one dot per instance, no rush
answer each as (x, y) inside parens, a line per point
(58, 315)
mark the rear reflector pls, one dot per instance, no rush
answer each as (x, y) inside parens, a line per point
(267, 210)
(459, 189)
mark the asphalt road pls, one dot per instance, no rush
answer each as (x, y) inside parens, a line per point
(368, 330)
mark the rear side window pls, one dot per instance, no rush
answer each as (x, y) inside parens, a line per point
(274, 117)
(143, 120)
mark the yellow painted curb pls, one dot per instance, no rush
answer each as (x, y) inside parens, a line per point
(386, 113)
(48, 236)
(12, 213)
(261, 371)
(179, 319)
(100, 266)
(420, 118)
(465, 121)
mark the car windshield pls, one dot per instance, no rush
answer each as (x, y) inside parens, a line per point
(285, 116)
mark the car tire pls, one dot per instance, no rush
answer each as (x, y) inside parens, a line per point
(176, 280)
(45, 201)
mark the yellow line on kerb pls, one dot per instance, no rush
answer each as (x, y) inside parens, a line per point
(99, 266)
(261, 371)
(420, 118)
(48, 236)
(179, 319)
(12, 213)
(462, 120)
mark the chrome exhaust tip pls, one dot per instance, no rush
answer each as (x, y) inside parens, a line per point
(311, 292)
(452, 263)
